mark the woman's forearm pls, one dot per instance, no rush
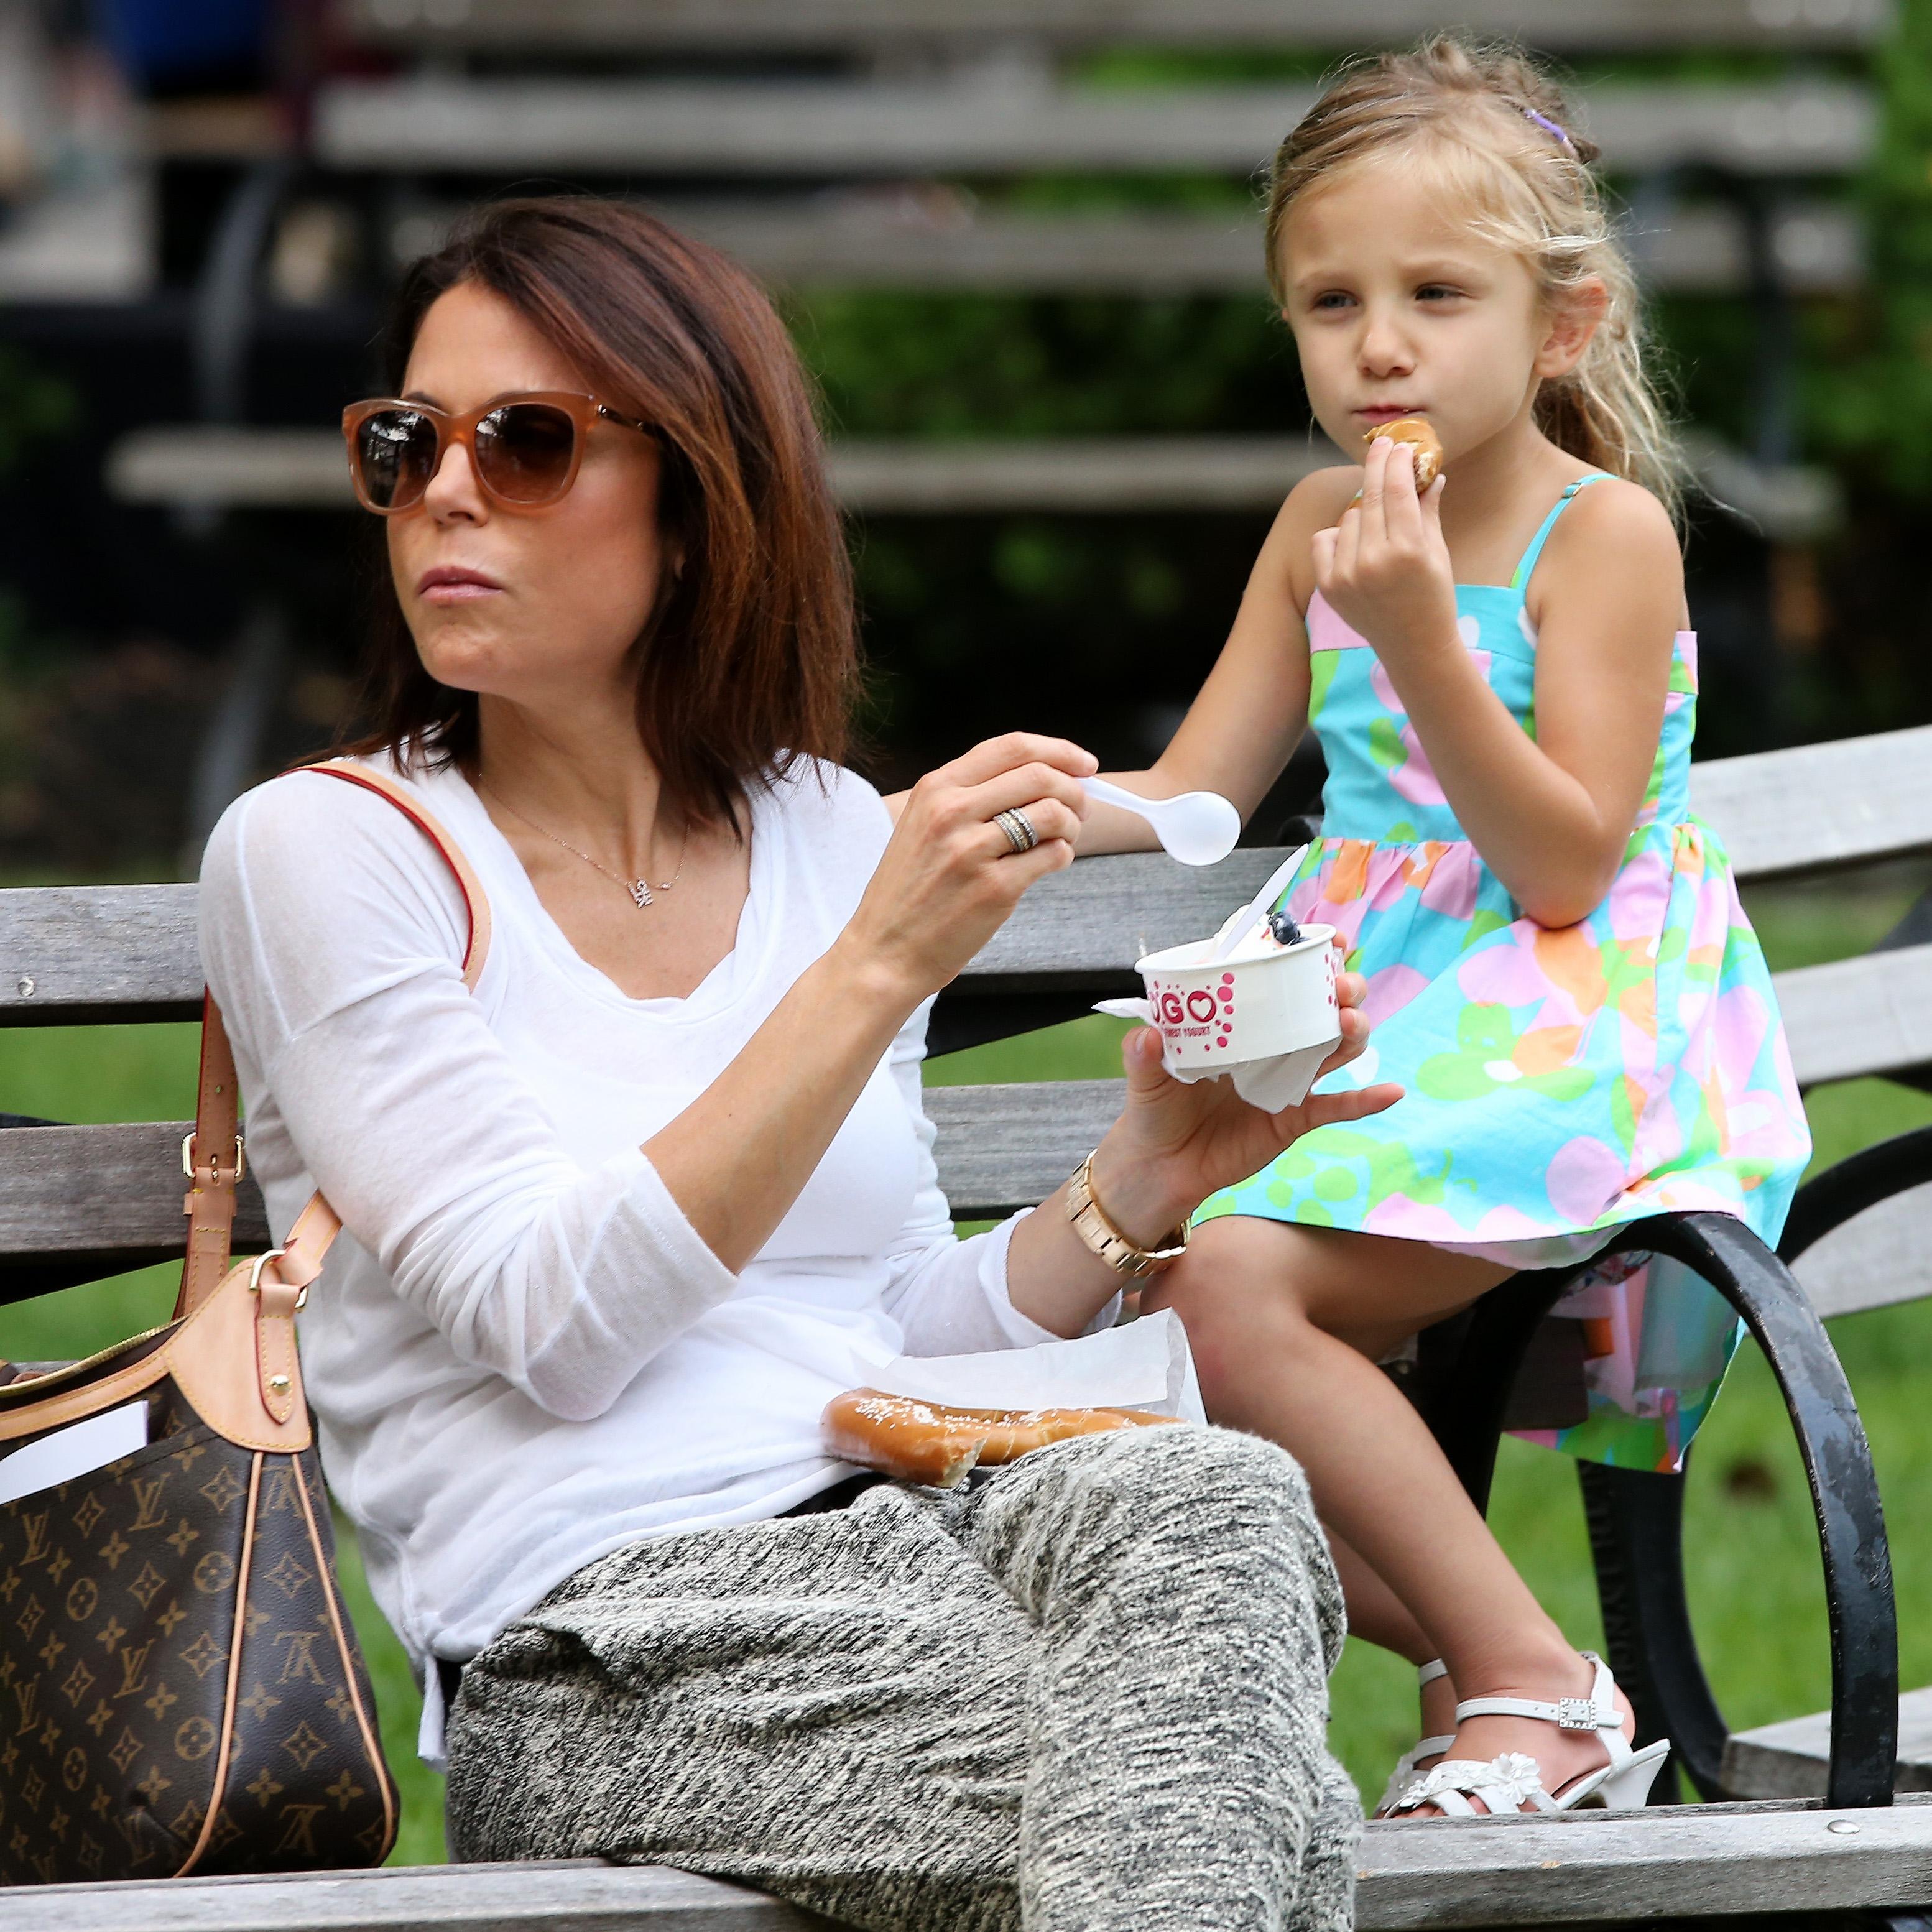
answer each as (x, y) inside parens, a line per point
(1053, 1277)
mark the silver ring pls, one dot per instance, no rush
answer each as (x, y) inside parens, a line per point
(1018, 829)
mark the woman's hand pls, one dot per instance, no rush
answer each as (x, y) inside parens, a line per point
(1384, 568)
(1177, 1142)
(950, 877)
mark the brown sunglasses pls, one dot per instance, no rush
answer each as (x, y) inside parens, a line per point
(524, 448)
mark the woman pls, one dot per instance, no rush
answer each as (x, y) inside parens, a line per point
(617, 1223)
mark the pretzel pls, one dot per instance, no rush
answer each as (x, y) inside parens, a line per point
(1421, 438)
(929, 1443)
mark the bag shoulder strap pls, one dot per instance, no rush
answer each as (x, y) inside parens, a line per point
(213, 1155)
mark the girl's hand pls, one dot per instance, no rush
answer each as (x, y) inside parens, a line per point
(950, 877)
(1177, 1142)
(1384, 568)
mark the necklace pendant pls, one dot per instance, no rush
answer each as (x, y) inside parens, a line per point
(641, 892)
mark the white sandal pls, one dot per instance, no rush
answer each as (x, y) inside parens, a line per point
(1405, 1773)
(1508, 1783)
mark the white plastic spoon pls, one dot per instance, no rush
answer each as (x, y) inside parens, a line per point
(1242, 923)
(1198, 828)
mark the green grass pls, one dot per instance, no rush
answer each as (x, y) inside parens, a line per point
(1752, 1552)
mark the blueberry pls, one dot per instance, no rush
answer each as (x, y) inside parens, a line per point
(1283, 927)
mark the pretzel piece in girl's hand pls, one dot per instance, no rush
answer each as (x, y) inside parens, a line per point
(928, 1442)
(1420, 438)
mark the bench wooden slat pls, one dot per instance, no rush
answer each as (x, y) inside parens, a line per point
(1876, 1260)
(1782, 814)
(98, 952)
(1788, 1759)
(1701, 250)
(109, 1195)
(112, 1194)
(305, 470)
(579, 1897)
(180, 467)
(129, 952)
(1869, 1015)
(1004, 1147)
(498, 128)
(861, 241)
(1718, 1861)
(609, 26)
(1715, 1861)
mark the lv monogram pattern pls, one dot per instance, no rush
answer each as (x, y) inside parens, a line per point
(119, 1596)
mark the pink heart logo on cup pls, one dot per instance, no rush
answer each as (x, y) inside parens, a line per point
(1267, 1017)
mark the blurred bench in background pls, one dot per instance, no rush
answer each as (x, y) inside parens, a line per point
(1096, 148)
(899, 27)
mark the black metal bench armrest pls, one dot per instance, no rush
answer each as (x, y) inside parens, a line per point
(1637, 1515)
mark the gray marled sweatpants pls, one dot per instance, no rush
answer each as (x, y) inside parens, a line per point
(1088, 1693)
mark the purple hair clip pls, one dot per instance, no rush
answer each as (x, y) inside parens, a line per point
(1553, 129)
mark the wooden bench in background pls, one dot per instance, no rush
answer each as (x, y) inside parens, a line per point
(75, 1201)
(869, 143)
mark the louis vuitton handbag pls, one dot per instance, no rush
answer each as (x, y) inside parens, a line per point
(181, 1690)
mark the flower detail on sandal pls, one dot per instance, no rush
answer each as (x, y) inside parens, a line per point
(1403, 1778)
(1505, 1784)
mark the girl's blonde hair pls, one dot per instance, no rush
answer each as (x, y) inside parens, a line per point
(1494, 127)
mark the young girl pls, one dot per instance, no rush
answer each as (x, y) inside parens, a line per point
(1560, 974)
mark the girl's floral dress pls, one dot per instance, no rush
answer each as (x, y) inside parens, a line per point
(1560, 1083)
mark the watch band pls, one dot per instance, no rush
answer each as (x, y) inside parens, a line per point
(1090, 1223)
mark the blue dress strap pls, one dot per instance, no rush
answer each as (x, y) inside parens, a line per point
(1542, 536)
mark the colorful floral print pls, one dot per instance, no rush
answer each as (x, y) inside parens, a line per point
(1559, 1083)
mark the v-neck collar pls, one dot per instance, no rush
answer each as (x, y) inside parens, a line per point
(727, 982)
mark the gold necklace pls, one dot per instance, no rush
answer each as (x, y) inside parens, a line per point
(639, 889)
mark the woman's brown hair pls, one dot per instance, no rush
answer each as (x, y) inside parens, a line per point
(749, 662)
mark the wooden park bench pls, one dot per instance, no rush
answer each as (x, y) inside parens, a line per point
(1809, 1826)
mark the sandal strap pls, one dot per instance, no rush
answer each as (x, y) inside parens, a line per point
(1597, 1712)
(1427, 1673)
(1405, 1773)
(1504, 1783)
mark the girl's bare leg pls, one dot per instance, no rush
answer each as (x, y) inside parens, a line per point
(1286, 1324)
(1379, 1616)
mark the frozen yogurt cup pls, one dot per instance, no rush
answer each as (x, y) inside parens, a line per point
(1266, 1017)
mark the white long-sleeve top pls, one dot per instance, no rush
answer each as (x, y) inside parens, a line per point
(521, 1355)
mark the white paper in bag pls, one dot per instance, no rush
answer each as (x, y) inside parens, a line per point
(1143, 1364)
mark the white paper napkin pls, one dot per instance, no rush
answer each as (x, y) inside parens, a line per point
(1143, 1364)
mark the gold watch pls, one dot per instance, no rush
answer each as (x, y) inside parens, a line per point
(1091, 1225)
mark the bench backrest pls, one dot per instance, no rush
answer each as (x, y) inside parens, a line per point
(110, 1196)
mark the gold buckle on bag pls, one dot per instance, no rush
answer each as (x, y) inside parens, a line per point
(214, 1170)
(255, 1277)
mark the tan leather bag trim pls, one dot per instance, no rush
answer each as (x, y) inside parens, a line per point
(275, 1361)
(230, 1692)
(210, 1201)
(305, 1245)
(215, 1357)
(377, 1765)
(88, 1399)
